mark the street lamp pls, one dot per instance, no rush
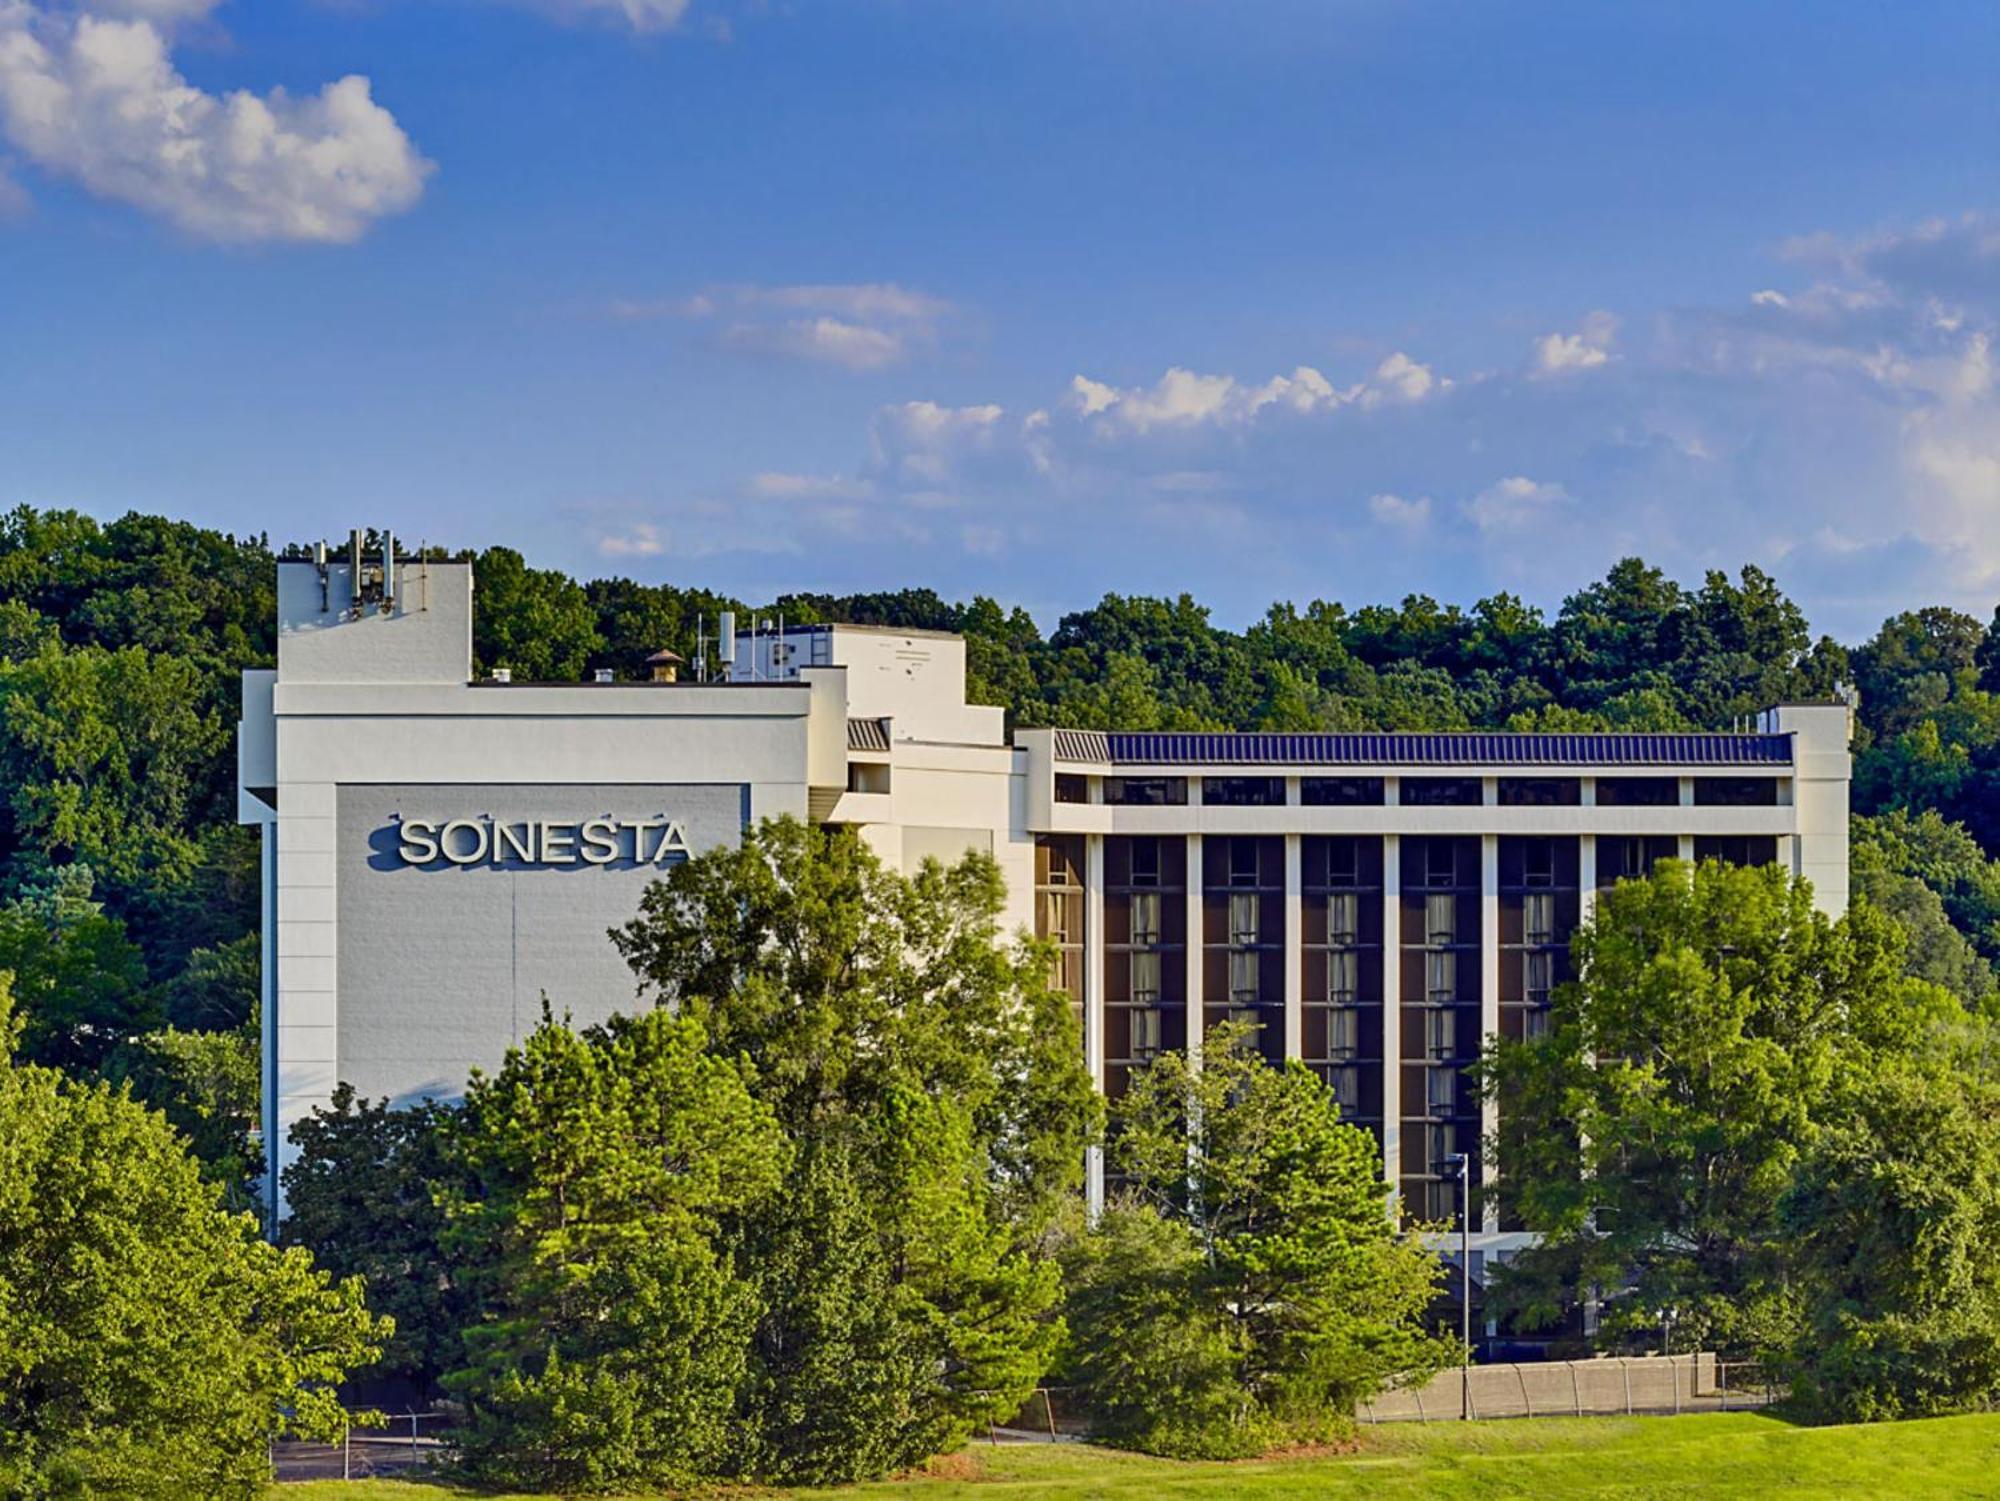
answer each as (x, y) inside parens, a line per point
(1459, 1166)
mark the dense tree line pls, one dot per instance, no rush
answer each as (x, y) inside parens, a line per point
(860, 1233)
(128, 892)
(1752, 1122)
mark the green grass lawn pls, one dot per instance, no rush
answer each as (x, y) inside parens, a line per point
(1712, 1454)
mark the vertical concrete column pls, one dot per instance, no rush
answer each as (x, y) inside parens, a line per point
(1194, 947)
(267, 1007)
(1489, 995)
(304, 1048)
(1392, 1010)
(1295, 968)
(1093, 1001)
(1586, 876)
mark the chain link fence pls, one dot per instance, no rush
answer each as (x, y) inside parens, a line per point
(411, 1441)
(1602, 1387)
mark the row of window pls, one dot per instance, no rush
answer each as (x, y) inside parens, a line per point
(1424, 792)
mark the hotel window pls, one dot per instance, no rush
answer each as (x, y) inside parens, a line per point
(1440, 919)
(1440, 1142)
(1341, 792)
(1243, 862)
(1243, 912)
(1145, 862)
(1638, 792)
(1146, 792)
(1735, 792)
(1343, 1034)
(1540, 792)
(1539, 978)
(1535, 1023)
(1440, 1034)
(1343, 977)
(1071, 788)
(1243, 792)
(1440, 863)
(1243, 977)
(1538, 917)
(1247, 1016)
(1737, 849)
(1145, 1033)
(1441, 1202)
(1343, 918)
(1346, 1086)
(1538, 863)
(1441, 1091)
(1145, 980)
(1145, 919)
(1441, 977)
(1441, 792)
(1343, 863)
(1057, 910)
(1629, 860)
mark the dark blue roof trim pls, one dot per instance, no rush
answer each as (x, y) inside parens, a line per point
(1171, 748)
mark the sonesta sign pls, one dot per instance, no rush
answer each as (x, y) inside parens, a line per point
(591, 841)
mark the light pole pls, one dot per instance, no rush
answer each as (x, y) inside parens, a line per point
(1458, 1165)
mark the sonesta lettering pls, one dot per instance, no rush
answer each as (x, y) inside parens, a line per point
(594, 841)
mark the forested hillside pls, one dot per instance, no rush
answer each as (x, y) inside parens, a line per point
(127, 892)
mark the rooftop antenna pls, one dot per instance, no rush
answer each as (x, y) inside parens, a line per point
(701, 648)
(354, 570)
(319, 562)
(388, 571)
(725, 642)
(424, 575)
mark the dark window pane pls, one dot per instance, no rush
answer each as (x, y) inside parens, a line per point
(1440, 792)
(1735, 792)
(1341, 792)
(1146, 791)
(1244, 792)
(1540, 792)
(1638, 792)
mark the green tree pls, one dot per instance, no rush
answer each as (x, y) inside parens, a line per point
(1660, 1120)
(206, 1084)
(1274, 1291)
(1934, 949)
(105, 756)
(1890, 1225)
(932, 1087)
(151, 1342)
(611, 1322)
(537, 622)
(366, 1196)
(79, 983)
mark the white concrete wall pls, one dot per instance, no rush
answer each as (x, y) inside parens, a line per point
(425, 638)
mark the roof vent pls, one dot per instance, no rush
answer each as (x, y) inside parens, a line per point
(602, 675)
(503, 675)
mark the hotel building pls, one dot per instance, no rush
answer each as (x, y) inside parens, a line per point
(440, 853)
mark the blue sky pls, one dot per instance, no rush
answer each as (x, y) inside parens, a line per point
(1339, 300)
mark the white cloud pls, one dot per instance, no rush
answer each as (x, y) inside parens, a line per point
(861, 326)
(14, 199)
(854, 346)
(1586, 349)
(99, 100)
(1513, 503)
(1401, 376)
(1185, 398)
(641, 540)
(1393, 510)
